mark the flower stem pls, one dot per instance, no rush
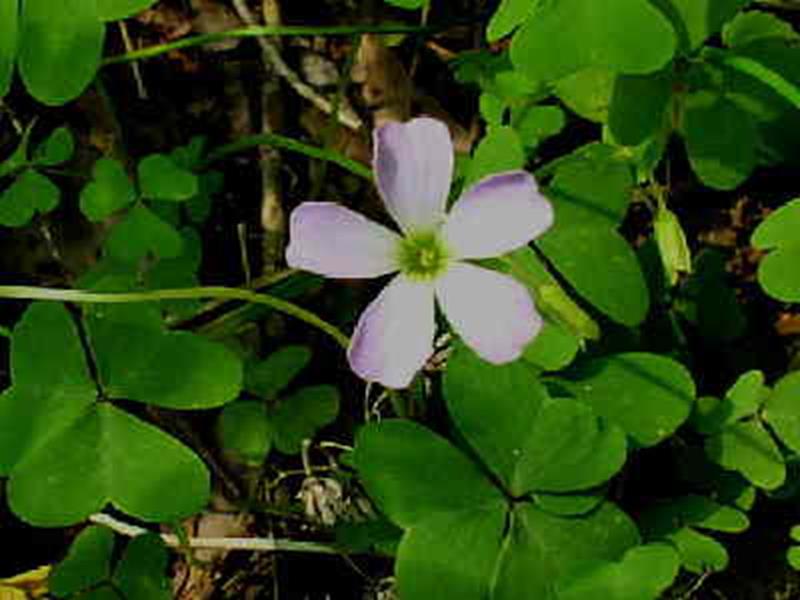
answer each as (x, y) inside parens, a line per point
(61, 295)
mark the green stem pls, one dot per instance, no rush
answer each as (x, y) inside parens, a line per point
(285, 143)
(267, 30)
(61, 295)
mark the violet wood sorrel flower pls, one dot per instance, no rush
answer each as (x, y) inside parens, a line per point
(493, 313)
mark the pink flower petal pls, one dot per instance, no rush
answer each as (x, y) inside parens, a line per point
(496, 215)
(413, 166)
(394, 336)
(332, 240)
(492, 312)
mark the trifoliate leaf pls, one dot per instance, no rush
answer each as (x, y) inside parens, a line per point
(32, 192)
(109, 191)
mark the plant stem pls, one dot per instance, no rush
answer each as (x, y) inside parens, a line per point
(220, 543)
(261, 31)
(285, 143)
(62, 295)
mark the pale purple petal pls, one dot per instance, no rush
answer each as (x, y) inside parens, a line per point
(496, 215)
(394, 336)
(413, 165)
(492, 312)
(332, 240)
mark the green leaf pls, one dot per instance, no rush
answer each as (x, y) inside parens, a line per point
(536, 123)
(52, 386)
(793, 556)
(245, 430)
(625, 36)
(777, 272)
(642, 574)
(746, 447)
(414, 474)
(591, 185)
(494, 406)
(647, 395)
(140, 233)
(551, 300)
(135, 362)
(754, 25)
(56, 149)
(696, 511)
(587, 92)
(699, 553)
(697, 20)
(9, 38)
(268, 377)
(114, 10)
(492, 109)
(525, 568)
(606, 533)
(782, 410)
(639, 105)
(141, 572)
(500, 150)
(105, 456)
(109, 191)
(508, 16)
(59, 49)
(742, 400)
(568, 449)
(87, 563)
(451, 554)
(599, 263)
(721, 140)
(300, 415)
(32, 192)
(162, 179)
(554, 348)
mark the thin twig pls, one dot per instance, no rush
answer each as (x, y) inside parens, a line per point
(137, 73)
(253, 544)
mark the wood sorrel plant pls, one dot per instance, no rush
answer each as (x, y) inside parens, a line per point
(579, 443)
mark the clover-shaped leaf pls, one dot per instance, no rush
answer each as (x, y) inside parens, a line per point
(644, 572)
(140, 233)
(625, 36)
(408, 490)
(683, 523)
(134, 359)
(721, 140)
(161, 178)
(56, 149)
(268, 377)
(72, 450)
(782, 410)
(778, 273)
(138, 575)
(109, 191)
(30, 193)
(402, 465)
(647, 395)
(639, 106)
(532, 442)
